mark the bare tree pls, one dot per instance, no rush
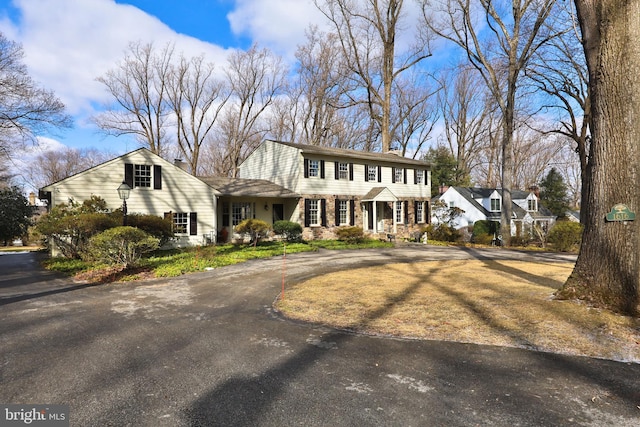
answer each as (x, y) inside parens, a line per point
(138, 85)
(26, 109)
(196, 99)
(607, 272)
(53, 166)
(368, 32)
(255, 78)
(499, 38)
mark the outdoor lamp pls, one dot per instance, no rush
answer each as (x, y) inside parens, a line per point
(123, 191)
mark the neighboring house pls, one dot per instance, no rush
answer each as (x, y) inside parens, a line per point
(486, 204)
(384, 193)
(158, 188)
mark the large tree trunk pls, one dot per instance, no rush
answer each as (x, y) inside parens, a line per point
(607, 272)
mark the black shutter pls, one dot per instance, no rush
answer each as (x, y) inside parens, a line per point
(306, 168)
(337, 212)
(379, 173)
(393, 175)
(128, 174)
(322, 169)
(350, 171)
(323, 212)
(352, 212)
(193, 223)
(426, 181)
(366, 172)
(415, 176)
(157, 177)
(405, 176)
(406, 212)
(415, 210)
(337, 170)
(307, 205)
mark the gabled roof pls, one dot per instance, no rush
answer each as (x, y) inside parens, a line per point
(379, 194)
(354, 154)
(240, 187)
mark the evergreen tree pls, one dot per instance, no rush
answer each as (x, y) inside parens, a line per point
(15, 214)
(444, 169)
(553, 193)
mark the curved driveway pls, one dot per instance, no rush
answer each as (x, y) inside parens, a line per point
(207, 350)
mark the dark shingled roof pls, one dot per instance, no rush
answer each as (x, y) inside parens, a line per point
(354, 154)
(248, 187)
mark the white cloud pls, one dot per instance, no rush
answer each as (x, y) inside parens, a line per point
(277, 24)
(68, 43)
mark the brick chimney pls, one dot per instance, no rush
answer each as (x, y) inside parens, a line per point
(442, 188)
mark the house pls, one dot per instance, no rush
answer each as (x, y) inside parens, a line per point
(384, 193)
(486, 204)
(158, 188)
(322, 188)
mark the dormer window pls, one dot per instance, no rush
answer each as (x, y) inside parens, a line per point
(532, 205)
(496, 204)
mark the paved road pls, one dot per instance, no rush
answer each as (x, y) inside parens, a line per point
(207, 350)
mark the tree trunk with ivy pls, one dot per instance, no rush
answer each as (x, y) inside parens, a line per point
(607, 272)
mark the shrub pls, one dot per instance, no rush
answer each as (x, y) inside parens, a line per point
(256, 228)
(350, 234)
(121, 245)
(483, 231)
(565, 235)
(443, 233)
(289, 230)
(158, 227)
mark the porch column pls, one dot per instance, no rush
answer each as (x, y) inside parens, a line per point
(375, 216)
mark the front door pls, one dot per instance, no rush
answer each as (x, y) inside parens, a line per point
(278, 212)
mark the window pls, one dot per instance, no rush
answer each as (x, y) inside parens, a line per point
(314, 168)
(142, 176)
(398, 175)
(532, 205)
(343, 212)
(419, 176)
(399, 213)
(495, 205)
(452, 205)
(314, 212)
(419, 212)
(240, 211)
(372, 173)
(180, 222)
(343, 171)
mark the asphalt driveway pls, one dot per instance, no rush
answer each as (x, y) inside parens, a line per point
(207, 350)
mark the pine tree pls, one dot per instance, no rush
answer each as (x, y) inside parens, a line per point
(553, 193)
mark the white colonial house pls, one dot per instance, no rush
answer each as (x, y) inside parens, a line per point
(384, 193)
(322, 188)
(486, 204)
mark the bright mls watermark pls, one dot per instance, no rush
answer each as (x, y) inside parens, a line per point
(34, 415)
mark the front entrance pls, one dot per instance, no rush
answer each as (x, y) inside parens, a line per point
(278, 212)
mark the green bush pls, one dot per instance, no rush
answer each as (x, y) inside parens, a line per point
(443, 233)
(256, 228)
(350, 234)
(565, 235)
(158, 227)
(484, 231)
(121, 245)
(290, 231)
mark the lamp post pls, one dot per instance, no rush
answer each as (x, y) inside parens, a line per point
(123, 191)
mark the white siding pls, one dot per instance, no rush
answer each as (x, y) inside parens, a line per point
(471, 213)
(181, 192)
(275, 162)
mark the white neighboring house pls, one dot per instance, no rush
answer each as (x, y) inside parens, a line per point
(486, 204)
(158, 187)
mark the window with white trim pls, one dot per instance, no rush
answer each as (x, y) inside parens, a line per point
(420, 212)
(314, 212)
(180, 222)
(419, 176)
(399, 212)
(314, 168)
(142, 176)
(398, 175)
(343, 170)
(240, 211)
(372, 173)
(343, 212)
(532, 205)
(495, 205)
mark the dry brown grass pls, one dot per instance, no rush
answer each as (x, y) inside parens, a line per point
(506, 303)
